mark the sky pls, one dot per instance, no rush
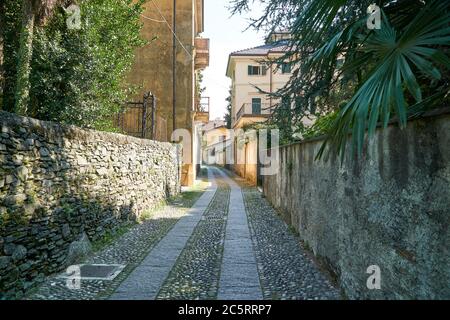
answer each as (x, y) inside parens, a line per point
(226, 35)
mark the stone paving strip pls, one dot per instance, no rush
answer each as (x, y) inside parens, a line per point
(286, 271)
(196, 273)
(129, 250)
(239, 278)
(146, 280)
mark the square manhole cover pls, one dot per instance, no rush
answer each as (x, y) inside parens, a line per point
(94, 271)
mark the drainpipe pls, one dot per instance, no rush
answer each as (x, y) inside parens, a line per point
(174, 67)
(271, 87)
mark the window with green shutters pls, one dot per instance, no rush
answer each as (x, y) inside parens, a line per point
(256, 106)
(257, 70)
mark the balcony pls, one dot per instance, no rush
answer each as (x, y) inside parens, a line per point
(254, 110)
(201, 112)
(201, 53)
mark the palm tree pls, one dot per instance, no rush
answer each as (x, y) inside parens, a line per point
(397, 64)
(398, 70)
(33, 12)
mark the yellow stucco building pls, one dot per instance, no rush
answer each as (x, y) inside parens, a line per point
(178, 106)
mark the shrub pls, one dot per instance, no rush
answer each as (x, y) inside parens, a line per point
(77, 76)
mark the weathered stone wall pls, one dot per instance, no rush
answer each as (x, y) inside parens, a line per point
(58, 183)
(390, 208)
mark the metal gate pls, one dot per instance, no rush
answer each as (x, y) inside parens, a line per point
(138, 119)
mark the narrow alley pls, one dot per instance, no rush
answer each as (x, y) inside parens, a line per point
(224, 150)
(230, 244)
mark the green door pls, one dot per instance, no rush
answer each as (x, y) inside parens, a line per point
(256, 106)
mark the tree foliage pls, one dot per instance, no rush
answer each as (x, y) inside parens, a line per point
(34, 12)
(397, 71)
(321, 126)
(228, 118)
(10, 22)
(77, 76)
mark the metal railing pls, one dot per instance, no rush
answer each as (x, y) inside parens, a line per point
(203, 104)
(138, 118)
(254, 109)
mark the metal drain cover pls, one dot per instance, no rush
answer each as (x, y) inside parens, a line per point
(94, 271)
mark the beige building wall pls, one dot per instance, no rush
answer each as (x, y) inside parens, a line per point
(243, 85)
(243, 91)
(216, 135)
(152, 69)
(246, 157)
(214, 141)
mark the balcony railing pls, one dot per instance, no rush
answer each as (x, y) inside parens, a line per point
(202, 109)
(254, 109)
(201, 53)
(203, 104)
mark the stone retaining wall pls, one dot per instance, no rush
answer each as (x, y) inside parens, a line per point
(391, 208)
(59, 183)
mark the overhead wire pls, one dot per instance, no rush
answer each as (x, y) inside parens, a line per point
(170, 28)
(151, 19)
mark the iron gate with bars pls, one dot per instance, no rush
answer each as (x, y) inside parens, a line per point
(138, 119)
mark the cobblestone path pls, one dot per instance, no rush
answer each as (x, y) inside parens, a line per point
(129, 250)
(285, 270)
(239, 279)
(197, 271)
(146, 280)
(230, 245)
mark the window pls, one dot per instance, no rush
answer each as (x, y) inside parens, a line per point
(253, 70)
(256, 106)
(257, 70)
(285, 68)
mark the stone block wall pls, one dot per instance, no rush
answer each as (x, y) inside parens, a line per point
(58, 183)
(390, 208)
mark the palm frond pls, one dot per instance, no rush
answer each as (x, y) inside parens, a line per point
(398, 59)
